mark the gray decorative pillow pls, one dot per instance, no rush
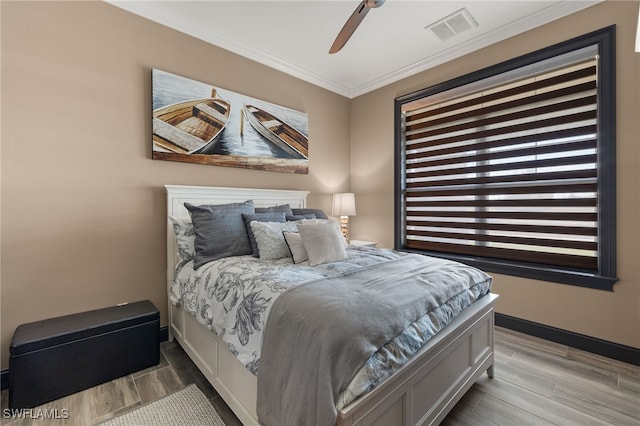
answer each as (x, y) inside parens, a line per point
(296, 247)
(323, 242)
(295, 217)
(282, 208)
(260, 217)
(185, 237)
(220, 231)
(319, 213)
(271, 243)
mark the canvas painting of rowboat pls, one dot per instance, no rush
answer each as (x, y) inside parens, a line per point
(196, 122)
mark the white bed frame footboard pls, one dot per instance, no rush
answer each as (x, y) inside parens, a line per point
(421, 392)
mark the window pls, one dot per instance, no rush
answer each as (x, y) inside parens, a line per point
(512, 168)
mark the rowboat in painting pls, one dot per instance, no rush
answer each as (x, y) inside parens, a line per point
(277, 131)
(190, 127)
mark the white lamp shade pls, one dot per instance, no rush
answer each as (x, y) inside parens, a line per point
(344, 204)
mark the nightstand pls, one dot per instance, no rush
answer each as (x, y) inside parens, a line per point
(363, 243)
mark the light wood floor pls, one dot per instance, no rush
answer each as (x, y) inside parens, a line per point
(536, 383)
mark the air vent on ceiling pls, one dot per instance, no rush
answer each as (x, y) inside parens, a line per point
(454, 24)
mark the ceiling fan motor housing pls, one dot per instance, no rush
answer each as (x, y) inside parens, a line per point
(374, 3)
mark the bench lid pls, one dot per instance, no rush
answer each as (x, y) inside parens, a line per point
(55, 331)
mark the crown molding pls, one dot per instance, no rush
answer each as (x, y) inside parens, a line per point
(154, 11)
(554, 12)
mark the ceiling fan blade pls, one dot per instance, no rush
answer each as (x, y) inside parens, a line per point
(350, 26)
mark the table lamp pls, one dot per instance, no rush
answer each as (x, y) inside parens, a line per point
(344, 205)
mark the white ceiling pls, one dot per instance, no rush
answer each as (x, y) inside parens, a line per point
(391, 43)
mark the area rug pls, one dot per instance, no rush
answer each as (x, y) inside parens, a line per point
(186, 407)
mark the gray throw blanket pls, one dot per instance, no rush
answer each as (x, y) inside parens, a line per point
(320, 333)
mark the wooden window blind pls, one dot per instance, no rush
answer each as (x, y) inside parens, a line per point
(507, 168)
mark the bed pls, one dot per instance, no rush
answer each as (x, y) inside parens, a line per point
(421, 391)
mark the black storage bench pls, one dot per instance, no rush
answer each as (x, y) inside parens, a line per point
(56, 357)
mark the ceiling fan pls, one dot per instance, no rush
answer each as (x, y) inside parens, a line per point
(352, 23)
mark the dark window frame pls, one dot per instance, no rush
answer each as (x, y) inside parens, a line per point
(606, 274)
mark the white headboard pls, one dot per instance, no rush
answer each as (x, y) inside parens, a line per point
(177, 195)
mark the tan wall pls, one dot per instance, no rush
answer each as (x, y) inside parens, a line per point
(613, 316)
(83, 210)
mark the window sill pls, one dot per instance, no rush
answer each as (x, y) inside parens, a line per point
(530, 270)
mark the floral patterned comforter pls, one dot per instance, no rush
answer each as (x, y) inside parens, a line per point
(233, 296)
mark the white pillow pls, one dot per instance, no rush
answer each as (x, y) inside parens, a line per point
(296, 247)
(330, 221)
(269, 238)
(323, 242)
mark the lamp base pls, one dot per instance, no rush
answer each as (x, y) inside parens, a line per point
(344, 227)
